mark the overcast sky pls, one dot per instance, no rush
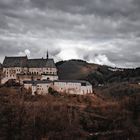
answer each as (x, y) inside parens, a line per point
(100, 31)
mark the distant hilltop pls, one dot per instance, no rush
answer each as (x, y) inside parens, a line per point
(96, 74)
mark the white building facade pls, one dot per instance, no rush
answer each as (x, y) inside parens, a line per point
(73, 86)
(38, 87)
(22, 68)
(62, 86)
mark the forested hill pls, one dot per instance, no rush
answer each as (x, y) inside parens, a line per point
(75, 69)
(96, 74)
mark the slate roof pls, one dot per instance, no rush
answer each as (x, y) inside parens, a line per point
(15, 61)
(63, 81)
(37, 82)
(25, 62)
(40, 63)
(73, 81)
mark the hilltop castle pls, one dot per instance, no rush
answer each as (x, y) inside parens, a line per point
(40, 74)
(22, 68)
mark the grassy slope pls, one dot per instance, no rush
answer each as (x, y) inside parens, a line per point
(75, 69)
(78, 69)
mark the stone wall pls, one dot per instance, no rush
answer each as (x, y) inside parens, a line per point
(62, 87)
(21, 74)
(24, 77)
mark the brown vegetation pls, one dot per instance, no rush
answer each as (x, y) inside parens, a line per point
(66, 117)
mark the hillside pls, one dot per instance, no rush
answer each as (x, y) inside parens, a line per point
(75, 69)
(96, 74)
(67, 117)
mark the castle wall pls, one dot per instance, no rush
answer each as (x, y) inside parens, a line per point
(86, 89)
(26, 77)
(72, 88)
(43, 71)
(36, 71)
(28, 86)
(11, 73)
(67, 87)
(21, 74)
(42, 89)
(34, 90)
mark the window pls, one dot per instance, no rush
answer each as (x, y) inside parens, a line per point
(83, 84)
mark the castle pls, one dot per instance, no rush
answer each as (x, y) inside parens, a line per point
(39, 75)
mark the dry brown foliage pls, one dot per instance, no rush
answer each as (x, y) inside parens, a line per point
(66, 117)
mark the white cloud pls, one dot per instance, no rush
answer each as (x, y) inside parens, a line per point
(102, 60)
(26, 52)
(68, 54)
(79, 29)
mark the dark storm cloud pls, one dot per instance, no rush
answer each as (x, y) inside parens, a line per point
(98, 7)
(101, 31)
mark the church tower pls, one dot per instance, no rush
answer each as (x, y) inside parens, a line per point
(47, 55)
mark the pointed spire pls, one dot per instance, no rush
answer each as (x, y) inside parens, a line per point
(47, 55)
